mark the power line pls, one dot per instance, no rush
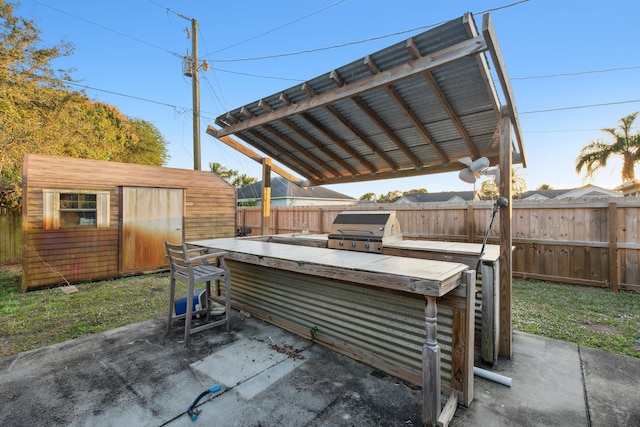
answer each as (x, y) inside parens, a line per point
(575, 107)
(275, 29)
(580, 106)
(501, 7)
(576, 73)
(109, 29)
(123, 94)
(258, 75)
(320, 49)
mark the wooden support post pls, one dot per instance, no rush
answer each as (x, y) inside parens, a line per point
(490, 315)
(506, 244)
(266, 196)
(430, 366)
(613, 246)
(462, 340)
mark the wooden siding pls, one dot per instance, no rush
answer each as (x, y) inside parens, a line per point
(10, 237)
(583, 242)
(52, 257)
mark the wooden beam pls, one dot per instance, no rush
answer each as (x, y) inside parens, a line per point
(483, 65)
(303, 151)
(377, 120)
(266, 196)
(252, 155)
(393, 94)
(361, 137)
(306, 88)
(444, 103)
(285, 158)
(309, 138)
(496, 55)
(506, 243)
(339, 81)
(403, 173)
(417, 124)
(330, 135)
(437, 59)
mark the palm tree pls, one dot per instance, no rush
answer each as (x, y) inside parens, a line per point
(626, 144)
(489, 189)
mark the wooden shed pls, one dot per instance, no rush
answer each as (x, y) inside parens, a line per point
(91, 219)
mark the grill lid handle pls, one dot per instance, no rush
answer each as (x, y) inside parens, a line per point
(344, 230)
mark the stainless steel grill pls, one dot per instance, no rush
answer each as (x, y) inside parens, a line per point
(364, 231)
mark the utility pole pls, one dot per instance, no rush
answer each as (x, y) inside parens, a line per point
(191, 68)
(196, 95)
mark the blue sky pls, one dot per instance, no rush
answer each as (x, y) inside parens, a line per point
(135, 48)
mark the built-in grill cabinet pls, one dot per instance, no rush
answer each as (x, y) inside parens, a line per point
(364, 231)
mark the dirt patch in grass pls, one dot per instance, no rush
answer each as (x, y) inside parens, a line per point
(600, 328)
(12, 268)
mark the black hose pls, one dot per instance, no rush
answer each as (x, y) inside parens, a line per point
(502, 201)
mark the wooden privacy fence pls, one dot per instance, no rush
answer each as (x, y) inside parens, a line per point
(577, 241)
(10, 237)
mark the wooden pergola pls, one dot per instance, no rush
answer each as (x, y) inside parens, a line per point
(414, 108)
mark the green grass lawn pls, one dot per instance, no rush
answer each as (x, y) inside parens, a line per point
(592, 317)
(587, 316)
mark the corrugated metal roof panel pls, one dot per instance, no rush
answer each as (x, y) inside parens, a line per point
(413, 108)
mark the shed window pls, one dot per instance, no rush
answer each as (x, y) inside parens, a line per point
(75, 209)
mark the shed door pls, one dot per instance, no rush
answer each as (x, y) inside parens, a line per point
(149, 217)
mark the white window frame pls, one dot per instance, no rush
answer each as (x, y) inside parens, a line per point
(51, 207)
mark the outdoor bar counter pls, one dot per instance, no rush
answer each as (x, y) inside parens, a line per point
(397, 314)
(487, 316)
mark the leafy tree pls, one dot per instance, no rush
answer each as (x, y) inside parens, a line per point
(242, 180)
(626, 144)
(418, 190)
(38, 114)
(232, 176)
(489, 189)
(544, 187)
(390, 197)
(222, 171)
(369, 196)
(518, 183)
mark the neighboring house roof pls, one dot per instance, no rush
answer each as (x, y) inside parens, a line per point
(447, 196)
(282, 189)
(629, 188)
(589, 190)
(542, 194)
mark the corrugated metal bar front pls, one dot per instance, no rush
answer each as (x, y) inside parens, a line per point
(385, 330)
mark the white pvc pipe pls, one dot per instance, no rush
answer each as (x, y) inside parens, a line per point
(492, 376)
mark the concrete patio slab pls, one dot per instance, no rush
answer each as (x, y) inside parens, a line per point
(138, 376)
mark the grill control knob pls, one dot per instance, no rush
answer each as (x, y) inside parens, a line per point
(341, 243)
(366, 246)
(353, 244)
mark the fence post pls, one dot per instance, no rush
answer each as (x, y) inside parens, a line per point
(470, 224)
(612, 219)
(276, 225)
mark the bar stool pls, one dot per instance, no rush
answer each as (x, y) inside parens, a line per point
(192, 265)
